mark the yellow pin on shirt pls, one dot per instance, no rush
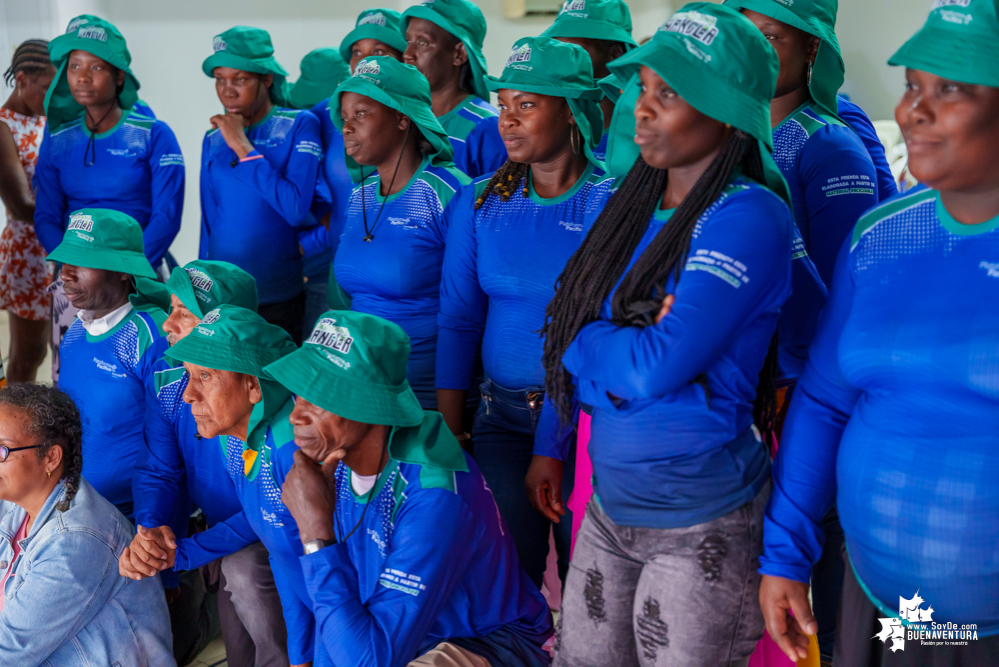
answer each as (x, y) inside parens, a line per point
(249, 458)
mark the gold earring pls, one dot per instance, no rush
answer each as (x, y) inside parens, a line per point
(49, 473)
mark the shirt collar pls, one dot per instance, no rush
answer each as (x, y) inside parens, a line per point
(102, 325)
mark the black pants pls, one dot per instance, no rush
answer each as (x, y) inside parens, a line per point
(289, 315)
(856, 645)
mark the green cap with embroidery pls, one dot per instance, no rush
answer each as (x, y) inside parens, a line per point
(608, 20)
(97, 37)
(465, 21)
(353, 365)
(99, 238)
(546, 66)
(384, 25)
(817, 18)
(959, 41)
(322, 71)
(250, 50)
(400, 87)
(203, 285)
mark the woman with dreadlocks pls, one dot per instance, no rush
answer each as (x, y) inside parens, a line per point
(24, 274)
(388, 262)
(663, 322)
(504, 253)
(62, 601)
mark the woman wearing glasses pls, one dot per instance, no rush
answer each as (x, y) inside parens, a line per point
(63, 602)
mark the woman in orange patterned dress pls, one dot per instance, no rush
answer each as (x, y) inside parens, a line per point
(24, 274)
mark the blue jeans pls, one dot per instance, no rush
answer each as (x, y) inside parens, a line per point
(503, 434)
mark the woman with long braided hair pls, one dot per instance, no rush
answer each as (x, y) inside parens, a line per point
(61, 599)
(507, 245)
(663, 323)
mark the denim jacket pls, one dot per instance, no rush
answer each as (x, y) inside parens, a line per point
(65, 605)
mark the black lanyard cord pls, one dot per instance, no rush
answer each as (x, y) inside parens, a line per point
(370, 493)
(369, 234)
(91, 143)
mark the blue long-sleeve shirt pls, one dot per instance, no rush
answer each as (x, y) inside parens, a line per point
(250, 212)
(397, 275)
(106, 377)
(137, 168)
(896, 416)
(667, 453)
(431, 561)
(858, 121)
(473, 128)
(499, 274)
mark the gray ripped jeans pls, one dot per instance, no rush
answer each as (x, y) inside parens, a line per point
(649, 596)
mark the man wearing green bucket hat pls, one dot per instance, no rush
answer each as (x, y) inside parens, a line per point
(603, 28)
(390, 254)
(378, 33)
(663, 323)
(252, 625)
(108, 353)
(444, 41)
(504, 254)
(407, 560)
(890, 417)
(259, 169)
(230, 399)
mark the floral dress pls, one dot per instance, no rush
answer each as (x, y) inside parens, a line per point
(24, 274)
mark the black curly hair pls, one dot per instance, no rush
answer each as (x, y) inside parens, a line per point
(31, 57)
(55, 420)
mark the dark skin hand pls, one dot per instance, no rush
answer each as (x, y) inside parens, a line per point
(779, 597)
(365, 48)
(951, 130)
(601, 51)
(246, 98)
(439, 56)
(544, 487)
(795, 49)
(96, 290)
(373, 135)
(94, 83)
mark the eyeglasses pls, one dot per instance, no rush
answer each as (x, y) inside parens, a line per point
(5, 451)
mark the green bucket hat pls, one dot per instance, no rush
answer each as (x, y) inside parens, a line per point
(382, 24)
(250, 50)
(465, 21)
(322, 71)
(353, 365)
(959, 41)
(400, 87)
(97, 37)
(203, 285)
(817, 18)
(99, 238)
(594, 19)
(720, 64)
(546, 66)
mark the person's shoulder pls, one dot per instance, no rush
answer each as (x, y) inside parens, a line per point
(90, 519)
(445, 181)
(479, 109)
(750, 200)
(898, 210)
(140, 121)
(169, 383)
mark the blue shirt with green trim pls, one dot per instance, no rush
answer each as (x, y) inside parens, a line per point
(473, 128)
(397, 275)
(251, 210)
(106, 377)
(895, 418)
(135, 167)
(854, 116)
(431, 561)
(500, 268)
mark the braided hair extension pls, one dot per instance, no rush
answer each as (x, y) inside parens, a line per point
(31, 57)
(594, 269)
(55, 420)
(505, 181)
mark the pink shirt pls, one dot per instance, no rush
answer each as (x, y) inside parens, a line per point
(22, 532)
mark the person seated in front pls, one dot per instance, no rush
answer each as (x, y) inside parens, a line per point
(407, 560)
(109, 351)
(62, 600)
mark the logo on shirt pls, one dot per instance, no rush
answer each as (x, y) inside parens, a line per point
(518, 56)
(200, 280)
(571, 226)
(211, 317)
(328, 334)
(219, 44)
(915, 623)
(376, 18)
(108, 368)
(702, 27)
(991, 268)
(95, 32)
(81, 222)
(367, 69)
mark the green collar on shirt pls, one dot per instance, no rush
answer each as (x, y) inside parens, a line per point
(392, 197)
(87, 132)
(959, 228)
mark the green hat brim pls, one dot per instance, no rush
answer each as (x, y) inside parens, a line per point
(945, 57)
(382, 33)
(132, 263)
(475, 57)
(244, 358)
(306, 373)
(279, 89)
(60, 107)
(149, 291)
(588, 28)
(179, 283)
(611, 87)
